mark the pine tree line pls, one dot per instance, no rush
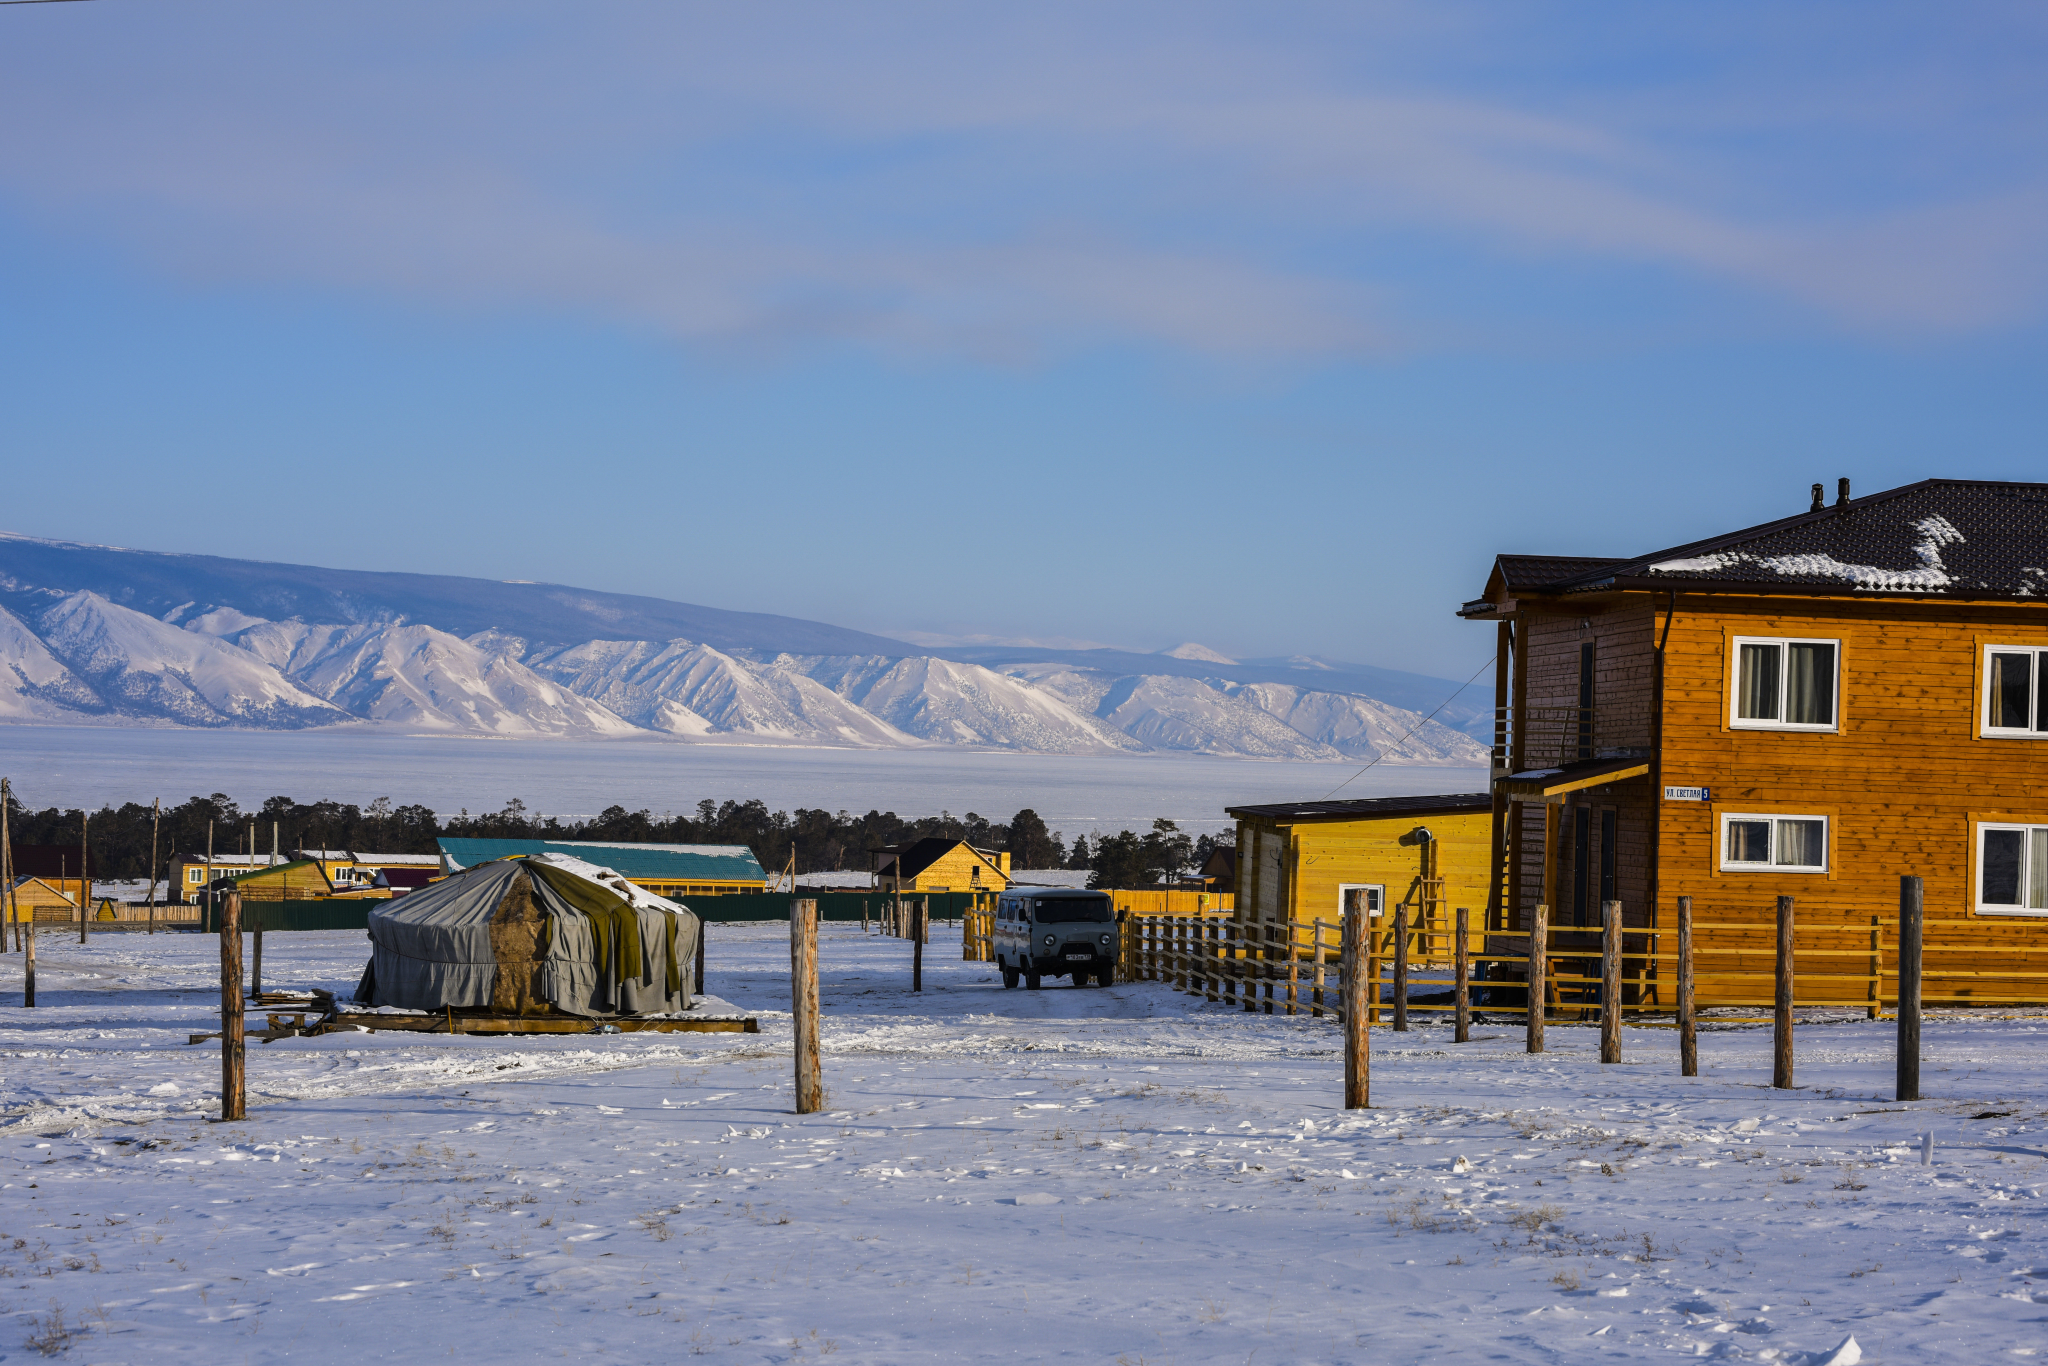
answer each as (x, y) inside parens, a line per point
(823, 841)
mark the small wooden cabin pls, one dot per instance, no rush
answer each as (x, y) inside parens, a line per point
(57, 866)
(1299, 862)
(1810, 708)
(940, 865)
(35, 900)
(298, 880)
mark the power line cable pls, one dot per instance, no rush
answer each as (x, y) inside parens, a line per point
(1411, 730)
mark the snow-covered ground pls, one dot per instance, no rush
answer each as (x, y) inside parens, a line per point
(1104, 1175)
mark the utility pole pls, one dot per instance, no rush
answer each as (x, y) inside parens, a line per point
(155, 821)
(84, 878)
(28, 976)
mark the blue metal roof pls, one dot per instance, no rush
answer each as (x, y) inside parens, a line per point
(652, 862)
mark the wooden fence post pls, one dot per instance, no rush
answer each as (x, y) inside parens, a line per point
(1372, 970)
(1873, 994)
(703, 926)
(1610, 981)
(1910, 925)
(1539, 948)
(917, 946)
(1688, 1038)
(1401, 968)
(256, 954)
(1315, 980)
(233, 1048)
(1462, 957)
(803, 1004)
(1781, 1025)
(26, 943)
(1354, 967)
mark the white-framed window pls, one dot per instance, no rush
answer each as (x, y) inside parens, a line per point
(1784, 683)
(2012, 869)
(2015, 700)
(1373, 893)
(1773, 843)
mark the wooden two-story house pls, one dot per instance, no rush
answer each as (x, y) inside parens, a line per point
(1811, 707)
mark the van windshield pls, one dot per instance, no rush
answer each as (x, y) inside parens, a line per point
(1064, 911)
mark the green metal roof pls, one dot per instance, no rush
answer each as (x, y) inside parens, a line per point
(654, 862)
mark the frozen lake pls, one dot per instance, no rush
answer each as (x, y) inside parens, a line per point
(67, 766)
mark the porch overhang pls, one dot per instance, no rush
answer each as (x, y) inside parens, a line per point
(1550, 784)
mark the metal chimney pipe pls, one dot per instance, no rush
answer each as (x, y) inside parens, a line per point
(1819, 499)
(1841, 492)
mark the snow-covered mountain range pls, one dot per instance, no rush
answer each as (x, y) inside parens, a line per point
(77, 644)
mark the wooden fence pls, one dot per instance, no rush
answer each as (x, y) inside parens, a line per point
(110, 912)
(1298, 968)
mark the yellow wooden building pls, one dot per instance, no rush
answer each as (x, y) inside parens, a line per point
(674, 871)
(301, 880)
(1299, 862)
(36, 900)
(940, 865)
(1808, 708)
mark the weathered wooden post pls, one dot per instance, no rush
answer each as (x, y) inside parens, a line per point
(1538, 966)
(803, 1006)
(233, 1048)
(1781, 1024)
(702, 926)
(1910, 926)
(1354, 967)
(1688, 1038)
(9, 903)
(1463, 991)
(1610, 981)
(918, 913)
(1401, 968)
(155, 820)
(84, 876)
(1372, 968)
(28, 944)
(256, 953)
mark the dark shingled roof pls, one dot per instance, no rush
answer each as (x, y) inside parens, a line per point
(915, 858)
(1368, 807)
(1952, 538)
(1535, 571)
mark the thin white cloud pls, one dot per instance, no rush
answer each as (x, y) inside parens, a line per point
(999, 188)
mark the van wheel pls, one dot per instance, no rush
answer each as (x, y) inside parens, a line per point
(1104, 977)
(1009, 977)
(1031, 981)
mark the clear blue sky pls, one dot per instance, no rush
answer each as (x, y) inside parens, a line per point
(1259, 326)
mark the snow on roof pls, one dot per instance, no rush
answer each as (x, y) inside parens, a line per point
(1948, 537)
(610, 879)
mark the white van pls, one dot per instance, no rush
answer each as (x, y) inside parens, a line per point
(1045, 932)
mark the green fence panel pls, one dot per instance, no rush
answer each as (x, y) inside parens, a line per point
(741, 906)
(296, 915)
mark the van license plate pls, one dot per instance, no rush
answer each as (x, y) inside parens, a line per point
(1079, 957)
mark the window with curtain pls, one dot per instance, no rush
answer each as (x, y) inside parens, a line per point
(2012, 868)
(2015, 702)
(1785, 684)
(1770, 843)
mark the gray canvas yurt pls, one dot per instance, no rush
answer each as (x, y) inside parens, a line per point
(532, 936)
